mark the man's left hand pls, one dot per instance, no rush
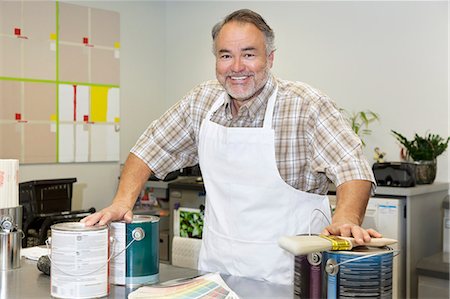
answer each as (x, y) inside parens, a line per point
(344, 229)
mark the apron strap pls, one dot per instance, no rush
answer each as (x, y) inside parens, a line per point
(215, 106)
(268, 117)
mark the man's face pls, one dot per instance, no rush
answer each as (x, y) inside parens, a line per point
(242, 65)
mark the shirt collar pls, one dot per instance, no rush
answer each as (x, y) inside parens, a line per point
(256, 104)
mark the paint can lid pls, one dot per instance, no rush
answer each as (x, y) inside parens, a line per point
(364, 250)
(76, 226)
(145, 218)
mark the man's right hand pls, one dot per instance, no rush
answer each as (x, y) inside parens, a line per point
(134, 175)
(115, 212)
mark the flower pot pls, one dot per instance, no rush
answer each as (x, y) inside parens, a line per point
(425, 171)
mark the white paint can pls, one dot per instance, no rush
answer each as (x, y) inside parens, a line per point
(79, 261)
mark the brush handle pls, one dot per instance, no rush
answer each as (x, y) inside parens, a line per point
(300, 245)
(374, 242)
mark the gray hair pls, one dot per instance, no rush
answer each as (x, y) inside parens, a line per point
(247, 16)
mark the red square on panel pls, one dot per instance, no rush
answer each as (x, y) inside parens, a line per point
(16, 31)
(86, 117)
(85, 40)
(18, 116)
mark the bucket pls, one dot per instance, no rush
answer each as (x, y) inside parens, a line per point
(11, 236)
(10, 245)
(135, 251)
(361, 273)
(79, 261)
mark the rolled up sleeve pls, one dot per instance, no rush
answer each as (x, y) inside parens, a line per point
(168, 143)
(337, 149)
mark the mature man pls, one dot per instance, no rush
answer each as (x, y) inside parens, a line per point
(266, 147)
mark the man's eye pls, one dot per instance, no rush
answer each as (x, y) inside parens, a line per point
(225, 56)
(249, 55)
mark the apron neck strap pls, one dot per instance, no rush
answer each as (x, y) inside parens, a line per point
(268, 117)
(215, 106)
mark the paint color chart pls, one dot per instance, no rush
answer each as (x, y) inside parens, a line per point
(59, 82)
(205, 287)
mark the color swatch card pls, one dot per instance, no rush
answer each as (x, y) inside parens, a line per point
(204, 287)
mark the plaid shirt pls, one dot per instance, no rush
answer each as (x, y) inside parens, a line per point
(313, 141)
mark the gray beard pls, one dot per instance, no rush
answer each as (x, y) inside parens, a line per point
(258, 89)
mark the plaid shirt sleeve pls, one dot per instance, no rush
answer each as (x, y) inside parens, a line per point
(169, 142)
(337, 150)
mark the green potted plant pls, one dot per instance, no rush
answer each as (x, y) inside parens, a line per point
(360, 121)
(424, 151)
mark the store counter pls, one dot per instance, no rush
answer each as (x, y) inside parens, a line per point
(434, 276)
(29, 282)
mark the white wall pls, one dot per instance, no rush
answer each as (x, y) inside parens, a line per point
(448, 85)
(390, 57)
(142, 81)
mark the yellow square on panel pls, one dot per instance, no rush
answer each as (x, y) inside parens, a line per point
(117, 119)
(99, 103)
(53, 117)
(52, 36)
(117, 45)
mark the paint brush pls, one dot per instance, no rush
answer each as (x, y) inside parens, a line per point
(304, 244)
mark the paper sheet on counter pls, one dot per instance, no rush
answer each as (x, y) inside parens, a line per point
(204, 287)
(34, 253)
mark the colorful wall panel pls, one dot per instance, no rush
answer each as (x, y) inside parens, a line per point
(59, 82)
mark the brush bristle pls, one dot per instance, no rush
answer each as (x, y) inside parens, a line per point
(300, 245)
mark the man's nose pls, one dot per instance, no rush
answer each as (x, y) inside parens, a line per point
(238, 65)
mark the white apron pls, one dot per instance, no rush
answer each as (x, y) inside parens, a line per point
(248, 205)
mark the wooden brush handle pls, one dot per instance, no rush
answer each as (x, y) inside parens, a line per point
(302, 244)
(374, 242)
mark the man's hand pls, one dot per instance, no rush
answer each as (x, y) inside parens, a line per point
(112, 213)
(352, 198)
(344, 229)
(135, 173)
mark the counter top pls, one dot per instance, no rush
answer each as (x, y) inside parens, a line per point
(436, 266)
(410, 191)
(192, 184)
(189, 183)
(28, 282)
(406, 191)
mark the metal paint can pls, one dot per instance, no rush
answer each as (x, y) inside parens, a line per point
(11, 236)
(361, 273)
(10, 245)
(308, 276)
(135, 251)
(79, 260)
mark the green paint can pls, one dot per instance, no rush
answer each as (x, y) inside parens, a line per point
(135, 253)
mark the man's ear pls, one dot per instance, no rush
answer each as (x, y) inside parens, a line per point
(270, 58)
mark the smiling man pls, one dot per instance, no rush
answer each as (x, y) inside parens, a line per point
(267, 149)
(242, 61)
